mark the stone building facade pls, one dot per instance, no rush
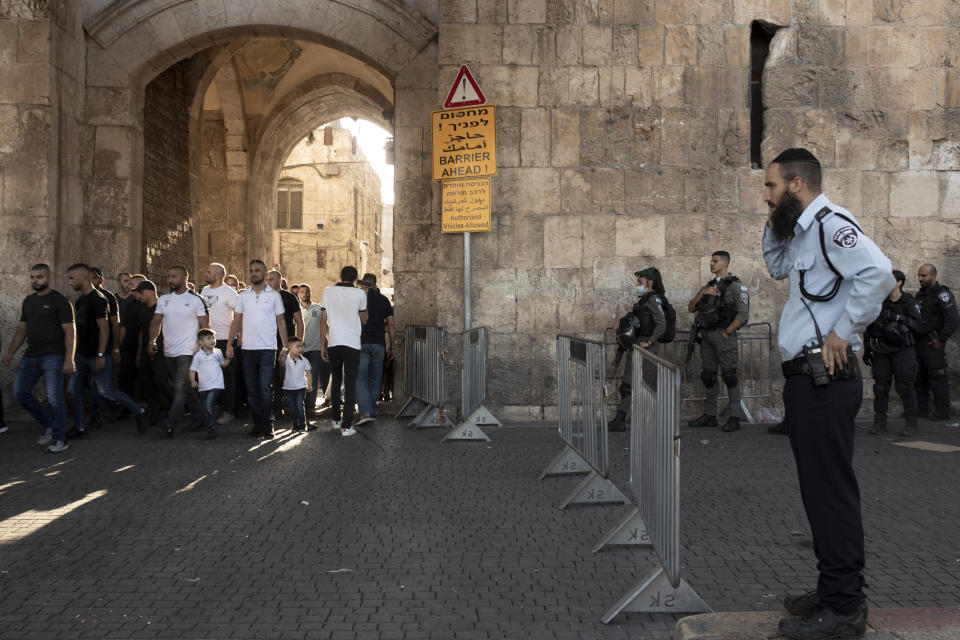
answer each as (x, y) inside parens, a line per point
(342, 211)
(624, 134)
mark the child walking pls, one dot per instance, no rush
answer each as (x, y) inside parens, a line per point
(206, 376)
(296, 380)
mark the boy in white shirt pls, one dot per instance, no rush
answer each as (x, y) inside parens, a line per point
(206, 376)
(296, 380)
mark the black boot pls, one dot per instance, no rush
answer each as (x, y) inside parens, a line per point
(879, 426)
(733, 424)
(824, 624)
(619, 422)
(704, 421)
(909, 430)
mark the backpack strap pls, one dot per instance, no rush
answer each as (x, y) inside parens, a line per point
(835, 289)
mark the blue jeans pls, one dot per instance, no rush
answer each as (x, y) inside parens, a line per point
(209, 399)
(29, 372)
(86, 370)
(319, 376)
(369, 377)
(258, 375)
(295, 401)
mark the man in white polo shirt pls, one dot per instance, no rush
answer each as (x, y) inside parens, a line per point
(345, 309)
(222, 300)
(180, 314)
(257, 318)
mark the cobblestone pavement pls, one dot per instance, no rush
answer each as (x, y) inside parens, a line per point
(393, 535)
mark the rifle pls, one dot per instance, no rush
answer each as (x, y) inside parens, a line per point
(692, 341)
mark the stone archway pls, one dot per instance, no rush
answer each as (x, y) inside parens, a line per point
(132, 41)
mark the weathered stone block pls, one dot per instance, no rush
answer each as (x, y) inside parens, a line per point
(638, 86)
(710, 42)
(508, 137)
(725, 87)
(564, 137)
(668, 86)
(569, 45)
(34, 44)
(10, 135)
(894, 155)
(914, 194)
(495, 298)
(513, 86)
(737, 46)
(833, 12)
(686, 236)
(457, 11)
(876, 194)
(466, 44)
(680, 46)
(671, 11)
(562, 241)
(751, 193)
(639, 187)
(575, 191)
(569, 86)
(8, 41)
(650, 45)
(893, 47)
(608, 185)
(939, 47)
(911, 12)
(787, 87)
(535, 138)
(597, 41)
(528, 191)
(25, 83)
(625, 45)
(112, 154)
(527, 11)
(949, 194)
(775, 11)
(733, 130)
(599, 234)
(638, 237)
(778, 133)
(893, 88)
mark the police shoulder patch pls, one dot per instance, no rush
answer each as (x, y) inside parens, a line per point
(845, 237)
(945, 296)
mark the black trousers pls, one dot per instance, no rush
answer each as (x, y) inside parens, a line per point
(155, 381)
(344, 362)
(127, 373)
(902, 367)
(932, 376)
(821, 423)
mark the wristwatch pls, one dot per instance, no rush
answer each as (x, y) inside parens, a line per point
(99, 355)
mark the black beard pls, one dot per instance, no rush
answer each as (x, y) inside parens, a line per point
(784, 217)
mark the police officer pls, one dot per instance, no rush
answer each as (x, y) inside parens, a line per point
(722, 307)
(651, 324)
(838, 280)
(940, 320)
(888, 350)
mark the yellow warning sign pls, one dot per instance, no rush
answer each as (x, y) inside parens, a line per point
(464, 142)
(466, 206)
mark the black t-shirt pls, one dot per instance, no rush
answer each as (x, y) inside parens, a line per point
(130, 321)
(90, 308)
(291, 305)
(44, 316)
(378, 310)
(144, 318)
(114, 306)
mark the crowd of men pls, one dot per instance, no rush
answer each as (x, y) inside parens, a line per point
(222, 351)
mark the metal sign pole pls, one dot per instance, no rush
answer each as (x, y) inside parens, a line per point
(467, 309)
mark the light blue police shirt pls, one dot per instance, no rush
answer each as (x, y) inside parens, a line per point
(867, 278)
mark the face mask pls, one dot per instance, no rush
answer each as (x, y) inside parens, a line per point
(641, 289)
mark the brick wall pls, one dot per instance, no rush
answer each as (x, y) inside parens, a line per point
(167, 232)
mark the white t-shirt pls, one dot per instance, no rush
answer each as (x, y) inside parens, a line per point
(311, 327)
(343, 305)
(260, 311)
(295, 373)
(221, 301)
(180, 312)
(208, 368)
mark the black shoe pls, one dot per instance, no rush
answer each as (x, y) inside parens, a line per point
(802, 605)
(877, 428)
(733, 424)
(141, 419)
(779, 429)
(703, 421)
(824, 624)
(211, 433)
(296, 427)
(619, 422)
(909, 431)
(311, 426)
(267, 434)
(77, 433)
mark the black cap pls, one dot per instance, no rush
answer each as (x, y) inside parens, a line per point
(649, 272)
(146, 285)
(796, 155)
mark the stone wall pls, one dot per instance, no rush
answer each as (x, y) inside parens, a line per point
(167, 226)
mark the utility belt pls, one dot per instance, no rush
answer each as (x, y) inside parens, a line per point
(811, 364)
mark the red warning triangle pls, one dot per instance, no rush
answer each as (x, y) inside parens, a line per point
(465, 91)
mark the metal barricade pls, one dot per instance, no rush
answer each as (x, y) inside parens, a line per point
(473, 387)
(582, 422)
(423, 377)
(755, 375)
(655, 489)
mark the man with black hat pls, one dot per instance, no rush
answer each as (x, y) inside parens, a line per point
(651, 323)
(838, 280)
(722, 307)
